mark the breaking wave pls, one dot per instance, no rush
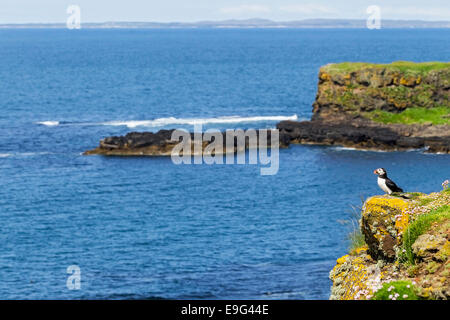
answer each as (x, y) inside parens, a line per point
(24, 154)
(49, 123)
(160, 122)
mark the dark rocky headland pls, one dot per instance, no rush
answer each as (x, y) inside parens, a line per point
(398, 106)
(161, 144)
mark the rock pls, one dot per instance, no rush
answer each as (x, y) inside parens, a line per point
(427, 245)
(160, 144)
(383, 220)
(363, 134)
(347, 93)
(136, 144)
(351, 276)
(392, 87)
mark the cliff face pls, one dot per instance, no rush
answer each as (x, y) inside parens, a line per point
(357, 88)
(398, 106)
(407, 250)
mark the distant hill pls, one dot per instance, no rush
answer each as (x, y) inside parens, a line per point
(249, 23)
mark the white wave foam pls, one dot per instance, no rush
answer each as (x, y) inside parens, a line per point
(49, 123)
(160, 122)
(193, 121)
(360, 149)
(32, 154)
(24, 154)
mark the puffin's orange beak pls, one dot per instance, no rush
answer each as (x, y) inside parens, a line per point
(374, 171)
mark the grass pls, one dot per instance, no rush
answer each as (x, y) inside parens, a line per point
(438, 115)
(400, 290)
(355, 235)
(400, 66)
(413, 195)
(419, 227)
(357, 239)
(424, 202)
(421, 68)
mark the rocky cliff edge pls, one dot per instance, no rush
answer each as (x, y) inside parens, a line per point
(405, 254)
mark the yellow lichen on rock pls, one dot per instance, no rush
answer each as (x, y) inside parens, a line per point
(324, 76)
(350, 275)
(384, 221)
(401, 222)
(444, 253)
(418, 80)
(356, 276)
(383, 205)
(384, 218)
(360, 250)
(341, 260)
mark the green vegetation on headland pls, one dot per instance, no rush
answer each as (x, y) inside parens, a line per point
(406, 67)
(435, 116)
(397, 290)
(421, 225)
(385, 92)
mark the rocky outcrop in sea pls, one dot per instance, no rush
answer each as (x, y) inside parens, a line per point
(360, 133)
(161, 143)
(399, 106)
(357, 104)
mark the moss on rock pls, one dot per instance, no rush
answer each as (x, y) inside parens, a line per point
(366, 87)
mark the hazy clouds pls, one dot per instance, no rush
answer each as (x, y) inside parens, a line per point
(181, 10)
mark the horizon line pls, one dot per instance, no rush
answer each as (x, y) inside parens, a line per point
(230, 20)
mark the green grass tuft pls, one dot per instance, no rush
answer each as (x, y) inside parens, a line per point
(419, 227)
(413, 195)
(421, 68)
(355, 236)
(438, 115)
(424, 202)
(400, 290)
(357, 239)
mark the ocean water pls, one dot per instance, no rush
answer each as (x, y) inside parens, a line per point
(144, 228)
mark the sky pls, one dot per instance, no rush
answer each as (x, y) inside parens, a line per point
(23, 11)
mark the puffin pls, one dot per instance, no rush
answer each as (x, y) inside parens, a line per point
(386, 184)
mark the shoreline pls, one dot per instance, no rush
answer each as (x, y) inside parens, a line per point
(359, 134)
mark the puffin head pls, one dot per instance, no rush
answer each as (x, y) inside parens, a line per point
(380, 172)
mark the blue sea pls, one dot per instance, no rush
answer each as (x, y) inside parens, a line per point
(145, 228)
